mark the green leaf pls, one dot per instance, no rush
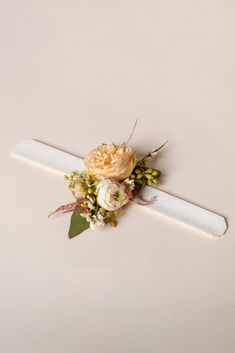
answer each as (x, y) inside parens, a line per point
(77, 225)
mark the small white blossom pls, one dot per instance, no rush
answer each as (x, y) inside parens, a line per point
(90, 205)
(90, 198)
(93, 225)
(100, 217)
(101, 223)
(130, 183)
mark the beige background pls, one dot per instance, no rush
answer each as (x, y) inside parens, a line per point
(78, 73)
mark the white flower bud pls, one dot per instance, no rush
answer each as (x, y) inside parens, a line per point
(111, 195)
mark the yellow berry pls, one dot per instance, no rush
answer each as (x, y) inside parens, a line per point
(113, 222)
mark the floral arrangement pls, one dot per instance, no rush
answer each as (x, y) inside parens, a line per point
(113, 177)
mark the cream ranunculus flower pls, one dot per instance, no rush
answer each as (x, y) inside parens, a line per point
(111, 161)
(111, 195)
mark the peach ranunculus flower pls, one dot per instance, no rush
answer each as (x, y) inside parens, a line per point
(111, 161)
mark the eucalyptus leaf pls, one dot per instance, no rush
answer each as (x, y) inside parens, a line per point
(77, 225)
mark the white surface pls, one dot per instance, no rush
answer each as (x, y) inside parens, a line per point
(169, 205)
(75, 74)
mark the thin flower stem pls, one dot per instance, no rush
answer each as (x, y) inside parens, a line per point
(152, 153)
(132, 132)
